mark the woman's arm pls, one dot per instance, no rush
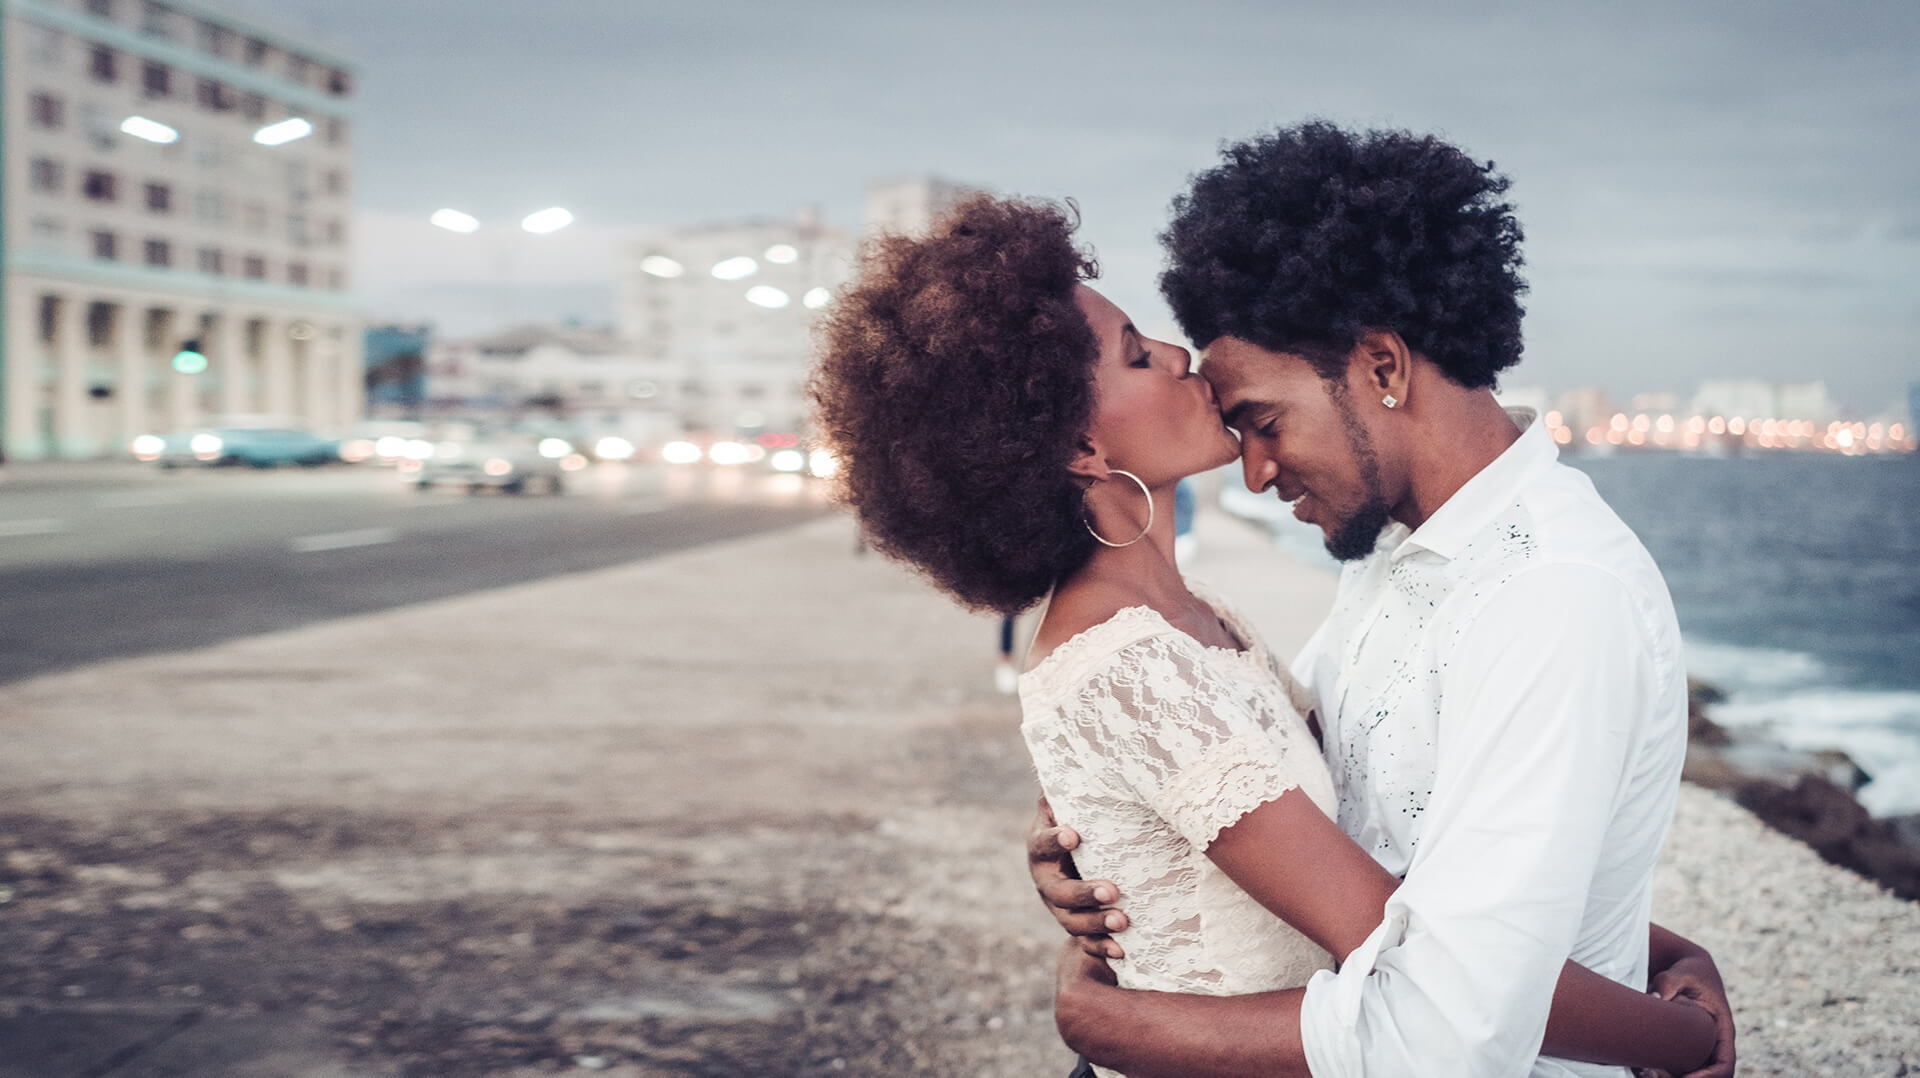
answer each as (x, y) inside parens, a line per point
(1298, 863)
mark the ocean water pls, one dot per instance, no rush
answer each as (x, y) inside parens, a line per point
(1796, 578)
(1797, 581)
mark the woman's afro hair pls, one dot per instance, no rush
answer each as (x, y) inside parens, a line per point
(1303, 239)
(955, 385)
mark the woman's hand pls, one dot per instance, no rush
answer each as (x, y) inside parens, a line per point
(1084, 908)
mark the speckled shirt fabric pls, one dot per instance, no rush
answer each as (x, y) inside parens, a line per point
(1504, 710)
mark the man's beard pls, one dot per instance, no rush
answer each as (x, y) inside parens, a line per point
(1358, 533)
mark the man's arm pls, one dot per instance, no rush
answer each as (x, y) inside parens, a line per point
(1679, 968)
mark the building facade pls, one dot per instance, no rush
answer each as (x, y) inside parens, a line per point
(176, 183)
(728, 310)
(590, 380)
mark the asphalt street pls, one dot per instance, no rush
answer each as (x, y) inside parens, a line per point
(103, 561)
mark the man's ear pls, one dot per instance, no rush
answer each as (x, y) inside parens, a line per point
(1383, 367)
(1090, 463)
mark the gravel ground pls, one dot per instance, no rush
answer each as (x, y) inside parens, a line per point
(748, 810)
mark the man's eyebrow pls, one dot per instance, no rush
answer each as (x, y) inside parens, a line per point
(1235, 414)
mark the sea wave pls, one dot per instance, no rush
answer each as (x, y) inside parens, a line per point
(1880, 731)
(1733, 668)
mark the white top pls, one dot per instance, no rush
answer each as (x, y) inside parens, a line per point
(1149, 744)
(1504, 706)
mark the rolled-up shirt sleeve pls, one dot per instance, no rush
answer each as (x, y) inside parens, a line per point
(1541, 698)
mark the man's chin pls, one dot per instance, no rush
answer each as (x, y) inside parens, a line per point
(1355, 537)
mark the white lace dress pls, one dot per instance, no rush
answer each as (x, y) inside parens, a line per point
(1149, 744)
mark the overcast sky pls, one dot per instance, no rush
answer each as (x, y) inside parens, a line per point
(1709, 190)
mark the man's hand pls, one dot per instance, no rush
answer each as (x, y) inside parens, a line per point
(1696, 980)
(1079, 981)
(1083, 907)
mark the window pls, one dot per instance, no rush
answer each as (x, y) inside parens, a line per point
(156, 20)
(255, 51)
(212, 95)
(211, 151)
(49, 231)
(106, 246)
(253, 217)
(297, 68)
(102, 128)
(47, 175)
(159, 198)
(336, 181)
(100, 186)
(215, 40)
(48, 111)
(159, 253)
(213, 260)
(253, 107)
(339, 83)
(336, 232)
(297, 231)
(297, 273)
(336, 132)
(104, 63)
(156, 79)
(254, 268)
(100, 8)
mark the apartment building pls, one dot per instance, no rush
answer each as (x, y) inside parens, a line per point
(175, 236)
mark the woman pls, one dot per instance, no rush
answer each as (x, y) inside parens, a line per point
(1006, 430)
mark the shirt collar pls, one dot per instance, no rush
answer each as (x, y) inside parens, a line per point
(1491, 489)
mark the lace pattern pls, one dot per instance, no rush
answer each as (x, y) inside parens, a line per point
(1149, 744)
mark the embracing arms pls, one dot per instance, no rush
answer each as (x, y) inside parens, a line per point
(1337, 901)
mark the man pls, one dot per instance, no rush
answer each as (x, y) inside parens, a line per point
(1501, 694)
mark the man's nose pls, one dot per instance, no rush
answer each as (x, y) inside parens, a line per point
(1258, 469)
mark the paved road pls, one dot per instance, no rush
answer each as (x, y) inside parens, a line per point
(112, 560)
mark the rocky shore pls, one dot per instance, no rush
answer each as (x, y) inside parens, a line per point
(1808, 796)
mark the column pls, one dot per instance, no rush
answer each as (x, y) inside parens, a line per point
(277, 353)
(71, 436)
(350, 375)
(130, 380)
(318, 410)
(25, 350)
(227, 354)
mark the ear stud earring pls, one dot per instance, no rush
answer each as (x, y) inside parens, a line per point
(1389, 400)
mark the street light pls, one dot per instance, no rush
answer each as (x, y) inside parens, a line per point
(551, 219)
(454, 221)
(279, 134)
(151, 130)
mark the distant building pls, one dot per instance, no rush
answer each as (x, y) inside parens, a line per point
(591, 379)
(1585, 409)
(1807, 400)
(1913, 405)
(1745, 399)
(396, 359)
(728, 309)
(909, 206)
(1656, 403)
(144, 209)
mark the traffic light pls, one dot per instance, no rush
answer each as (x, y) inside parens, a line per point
(189, 359)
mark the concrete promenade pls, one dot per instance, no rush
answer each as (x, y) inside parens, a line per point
(752, 809)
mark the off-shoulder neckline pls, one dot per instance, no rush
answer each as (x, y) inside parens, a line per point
(1251, 648)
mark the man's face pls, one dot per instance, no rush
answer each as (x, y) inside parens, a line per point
(1300, 437)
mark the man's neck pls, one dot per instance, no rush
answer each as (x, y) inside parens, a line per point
(1463, 434)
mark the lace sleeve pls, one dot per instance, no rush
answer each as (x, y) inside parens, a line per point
(1187, 741)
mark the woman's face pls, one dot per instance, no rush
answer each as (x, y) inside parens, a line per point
(1152, 414)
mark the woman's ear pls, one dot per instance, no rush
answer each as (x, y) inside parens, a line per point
(1090, 462)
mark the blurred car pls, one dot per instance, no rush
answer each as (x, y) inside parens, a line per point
(256, 447)
(386, 442)
(511, 463)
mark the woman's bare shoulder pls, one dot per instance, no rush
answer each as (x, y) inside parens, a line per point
(1074, 610)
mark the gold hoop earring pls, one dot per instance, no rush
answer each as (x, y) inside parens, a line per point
(1143, 531)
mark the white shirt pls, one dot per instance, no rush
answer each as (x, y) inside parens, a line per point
(1504, 712)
